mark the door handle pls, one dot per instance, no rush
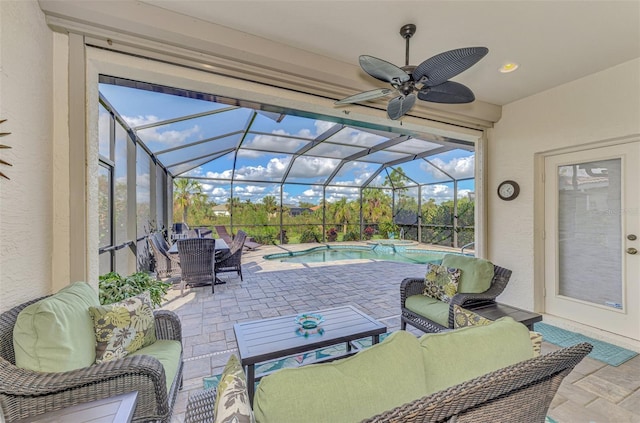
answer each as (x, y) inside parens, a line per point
(632, 251)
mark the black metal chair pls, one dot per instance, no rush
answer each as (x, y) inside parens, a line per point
(197, 260)
(232, 261)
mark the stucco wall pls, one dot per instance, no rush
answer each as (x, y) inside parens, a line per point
(598, 107)
(26, 200)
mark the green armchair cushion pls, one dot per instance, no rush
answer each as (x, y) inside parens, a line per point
(376, 379)
(123, 327)
(432, 309)
(460, 355)
(476, 273)
(55, 334)
(168, 352)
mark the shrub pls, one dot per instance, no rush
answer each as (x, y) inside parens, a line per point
(114, 288)
(351, 236)
(387, 228)
(332, 235)
(368, 232)
(309, 235)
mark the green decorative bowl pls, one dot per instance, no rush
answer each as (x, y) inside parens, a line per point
(309, 320)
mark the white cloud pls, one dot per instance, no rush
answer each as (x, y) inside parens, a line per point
(273, 143)
(306, 167)
(438, 192)
(168, 138)
(459, 168)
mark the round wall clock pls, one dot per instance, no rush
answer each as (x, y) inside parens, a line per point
(508, 190)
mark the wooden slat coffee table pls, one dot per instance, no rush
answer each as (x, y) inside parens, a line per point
(277, 337)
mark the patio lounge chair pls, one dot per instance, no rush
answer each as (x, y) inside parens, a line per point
(197, 259)
(249, 243)
(232, 261)
(433, 317)
(222, 233)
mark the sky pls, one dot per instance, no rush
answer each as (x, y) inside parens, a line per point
(269, 147)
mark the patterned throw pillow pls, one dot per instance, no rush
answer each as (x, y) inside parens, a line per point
(441, 282)
(232, 402)
(463, 318)
(124, 327)
(536, 341)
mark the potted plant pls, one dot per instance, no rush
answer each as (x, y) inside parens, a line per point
(114, 287)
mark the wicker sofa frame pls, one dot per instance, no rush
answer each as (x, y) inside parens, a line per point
(415, 286)
(518, 393)
(25, 393)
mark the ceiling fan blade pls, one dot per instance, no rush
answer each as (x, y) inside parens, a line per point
(364, 96)
(449, 92)
(400, 105)
(444, 66)
(383, 70)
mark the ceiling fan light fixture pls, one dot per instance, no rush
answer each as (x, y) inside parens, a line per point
(429, 81)
(508, 67)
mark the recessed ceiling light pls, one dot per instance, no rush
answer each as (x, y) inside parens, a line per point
(508, 67)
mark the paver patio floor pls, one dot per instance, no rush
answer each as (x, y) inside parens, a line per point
(594, 392)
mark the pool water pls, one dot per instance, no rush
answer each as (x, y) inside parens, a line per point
(332, 253)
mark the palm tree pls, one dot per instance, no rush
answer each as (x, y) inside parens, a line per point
(376, 205)
(341, 211)
(270, 205)
(184, 191)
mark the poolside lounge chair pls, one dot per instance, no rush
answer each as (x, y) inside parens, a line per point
(249, 243)
(222, 232)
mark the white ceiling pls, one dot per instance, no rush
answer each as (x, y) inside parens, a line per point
(553, 41)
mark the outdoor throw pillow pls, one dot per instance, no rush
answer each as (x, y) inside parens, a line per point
(536, 341)
(463, 318)
(441, 282)
(123, 327)
(232, 400)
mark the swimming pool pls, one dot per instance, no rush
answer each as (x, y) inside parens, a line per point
(327, 253)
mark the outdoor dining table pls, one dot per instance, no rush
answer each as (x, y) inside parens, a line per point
(221, 246)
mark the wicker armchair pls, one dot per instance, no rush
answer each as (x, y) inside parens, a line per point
(25, 393)
(415, 286)
(197, 261)
(519, 393)
(232, 261)
(167, 265)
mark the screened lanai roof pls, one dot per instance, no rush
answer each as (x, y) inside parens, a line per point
(233, 141)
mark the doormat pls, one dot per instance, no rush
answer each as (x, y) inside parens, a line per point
(602, 351)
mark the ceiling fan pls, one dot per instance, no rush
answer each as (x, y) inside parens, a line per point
(430, 79)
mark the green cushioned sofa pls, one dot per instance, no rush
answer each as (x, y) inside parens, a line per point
(47, 359)
(474, 374)
(480, 283)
